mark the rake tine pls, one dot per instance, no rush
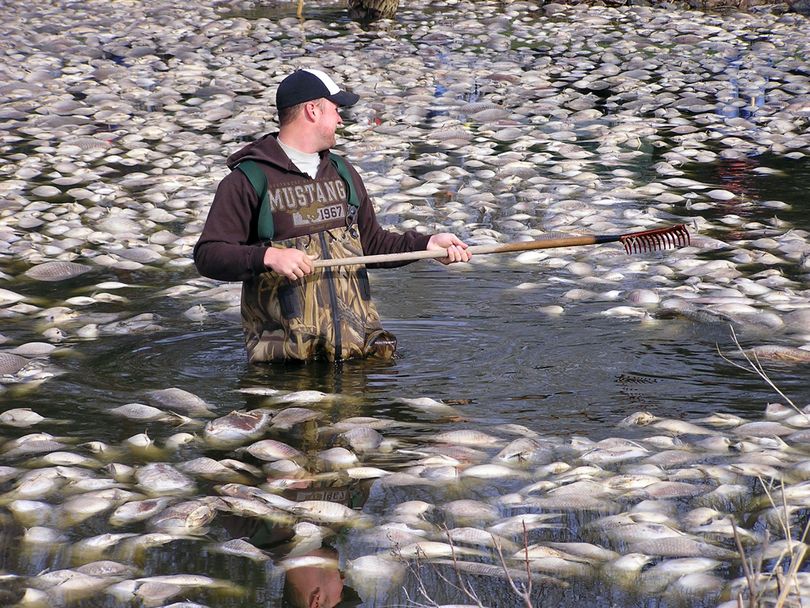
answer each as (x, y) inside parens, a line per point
(656, 239)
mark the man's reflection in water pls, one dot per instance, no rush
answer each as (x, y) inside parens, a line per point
(316, 586)
(317, 581)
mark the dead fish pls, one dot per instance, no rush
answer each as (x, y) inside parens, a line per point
(466, 510)
(141, 412)
(79, 508)
(34, 485)
(138, 510)
(64, 459)
(776, 352)
(68, 585)
(586, 551)
(136, 543)
(362, 439)
(41, 535)
(625, 569)
(241, 548)
(108, 569)
(9, 473)
(557, 566)
(270, 450)
(362, 472)
(642, 531)
(96, 545)
(432, 406)
(209, 468)
(576, 502)
(31, 512)
(178, 399)
(163, 479)
(393, 534)
(491, 471)
(185, 518)
(241, 467)
(334, 459)
(304, 397)
(676, 427)
(763, 428)
(354, 422)
(498, 571)
(9, 297)
(143, 593)
(427, 549)
(244, 491)
(325, 511)
(56, 271)
(142, 445)
(467, 437)
(374, 576)
(84, 484)
(289, 417)
(259, 390)
(659, 576)
(308, 561)
(236, 428)
(517, 524)
(476, 536)
(177, 440)
(20, 417)
(722, 420)
(253, 508)
(525, 450)
(681, 546)
(102, 449)
(10, 363)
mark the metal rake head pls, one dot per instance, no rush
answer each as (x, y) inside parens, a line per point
(670, 237)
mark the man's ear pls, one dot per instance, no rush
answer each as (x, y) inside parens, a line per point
(310, 107)
(315, 598)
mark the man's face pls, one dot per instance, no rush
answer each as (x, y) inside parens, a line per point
(328, 119)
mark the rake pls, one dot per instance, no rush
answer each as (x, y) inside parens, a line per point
(670, 237)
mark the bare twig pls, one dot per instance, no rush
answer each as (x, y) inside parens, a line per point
(524, 594)
(749, 577)
(756, 366)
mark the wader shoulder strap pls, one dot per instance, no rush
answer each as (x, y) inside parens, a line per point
(343, 171)
(259, 182)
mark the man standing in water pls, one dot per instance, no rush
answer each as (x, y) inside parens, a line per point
(288, 201)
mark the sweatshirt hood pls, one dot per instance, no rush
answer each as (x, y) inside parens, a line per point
(266, 150)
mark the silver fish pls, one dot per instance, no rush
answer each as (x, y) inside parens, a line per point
(138, 510)
(178, 399)
(467, 437)
(270, 449)
(241, 548)
(236, 428)
(162, 479)
(56, 271)
(289, 417)
(20, 417)
(185, 518)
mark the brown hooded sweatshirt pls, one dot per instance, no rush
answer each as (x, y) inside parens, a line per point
(229, 248)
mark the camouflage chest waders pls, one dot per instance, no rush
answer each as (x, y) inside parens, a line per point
(326, 315)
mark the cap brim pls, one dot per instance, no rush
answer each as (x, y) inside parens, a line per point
(344, 98)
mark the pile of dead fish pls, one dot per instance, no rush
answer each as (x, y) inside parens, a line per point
(496, 120)
(663, 508)
(503, 125)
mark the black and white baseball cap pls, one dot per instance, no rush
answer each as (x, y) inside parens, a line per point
(306, 85)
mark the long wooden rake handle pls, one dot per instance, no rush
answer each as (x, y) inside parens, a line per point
(634, 242)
